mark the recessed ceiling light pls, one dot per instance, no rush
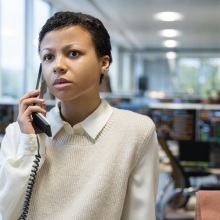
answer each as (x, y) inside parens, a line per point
(168, 16)
(170, 43)
(170, 55)
(169, 33)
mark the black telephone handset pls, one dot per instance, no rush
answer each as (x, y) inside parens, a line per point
(38, 119)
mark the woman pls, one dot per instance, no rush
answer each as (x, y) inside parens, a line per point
(101, 163)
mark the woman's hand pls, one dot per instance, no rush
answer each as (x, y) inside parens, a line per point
(26, 108)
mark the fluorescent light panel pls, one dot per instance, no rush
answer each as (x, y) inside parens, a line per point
(168, 16)
(170, 43)
(171, 55)
(169, 33)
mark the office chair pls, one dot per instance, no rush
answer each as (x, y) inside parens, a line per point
(174, 206)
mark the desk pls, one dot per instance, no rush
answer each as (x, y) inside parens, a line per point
(166, 167)
(214, 171)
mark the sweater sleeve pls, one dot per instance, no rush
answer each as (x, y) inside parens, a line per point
(16, 161)
(143, 182)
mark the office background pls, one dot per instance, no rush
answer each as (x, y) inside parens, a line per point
(164, 67)
(171, 59)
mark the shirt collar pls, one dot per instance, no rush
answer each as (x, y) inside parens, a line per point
(93, 124)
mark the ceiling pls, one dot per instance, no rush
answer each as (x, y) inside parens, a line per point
(131, 23)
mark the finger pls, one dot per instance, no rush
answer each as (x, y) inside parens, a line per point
(26, 115)
(32, 109)
(43, 106)
(29, 95)
(29, 102)
(32, 101)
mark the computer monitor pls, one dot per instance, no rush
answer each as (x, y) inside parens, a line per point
(175, 124)
(209, 125)
(194, 153)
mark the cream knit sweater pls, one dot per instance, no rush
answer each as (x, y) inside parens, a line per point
(86, 179)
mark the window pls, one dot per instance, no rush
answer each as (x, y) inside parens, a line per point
(41, 14)
(199, 76)
(19, 58)
(12, 47)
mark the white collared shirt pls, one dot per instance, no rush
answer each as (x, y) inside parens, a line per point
(92, 125)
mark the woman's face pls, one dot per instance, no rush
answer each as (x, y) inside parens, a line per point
(70, 64)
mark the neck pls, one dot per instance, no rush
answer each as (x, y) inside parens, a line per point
(76, 111)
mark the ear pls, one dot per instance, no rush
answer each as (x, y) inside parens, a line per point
(105, 62)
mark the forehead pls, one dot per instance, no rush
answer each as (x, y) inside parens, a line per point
(67, 35)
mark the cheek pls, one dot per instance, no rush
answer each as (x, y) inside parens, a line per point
(91, 69)
(91, 76)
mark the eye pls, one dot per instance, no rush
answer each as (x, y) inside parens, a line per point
(73, 53)
(48, 57)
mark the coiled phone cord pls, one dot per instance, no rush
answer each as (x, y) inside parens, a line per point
(31, 183)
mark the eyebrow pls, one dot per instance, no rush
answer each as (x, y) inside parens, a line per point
(66, 47)
(47, 49)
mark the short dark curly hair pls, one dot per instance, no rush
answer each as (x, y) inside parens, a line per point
(99, 35)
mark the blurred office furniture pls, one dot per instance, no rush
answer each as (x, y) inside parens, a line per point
(143, 84)
(208, 205)
(175, 205)
(8, 114)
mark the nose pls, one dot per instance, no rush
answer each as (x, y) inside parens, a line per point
(60, 65)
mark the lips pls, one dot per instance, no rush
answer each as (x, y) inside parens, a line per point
(60, 81)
